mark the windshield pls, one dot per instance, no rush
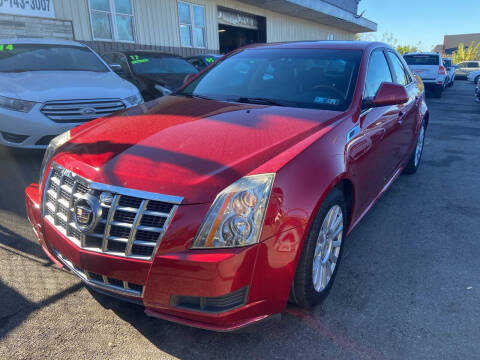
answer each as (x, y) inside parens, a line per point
(447, 62)
(422, 59)
(306, 78)
(43, 57)
(152, 64)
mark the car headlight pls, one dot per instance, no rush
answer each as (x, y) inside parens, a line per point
(134, 100)
(52, 149)
(163, 90)
(236, 217)
(16, 104)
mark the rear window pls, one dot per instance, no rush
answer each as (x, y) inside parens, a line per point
(422, 59)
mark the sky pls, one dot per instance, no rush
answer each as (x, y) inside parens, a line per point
(411, 21)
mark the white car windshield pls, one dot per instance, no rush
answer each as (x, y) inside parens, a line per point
(45, 57)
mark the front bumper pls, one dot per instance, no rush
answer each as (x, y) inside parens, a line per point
(29, 130)
(263, 272)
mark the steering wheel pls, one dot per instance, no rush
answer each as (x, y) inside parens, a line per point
(334, 89)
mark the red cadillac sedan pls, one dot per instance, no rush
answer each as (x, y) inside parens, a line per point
(214, 206)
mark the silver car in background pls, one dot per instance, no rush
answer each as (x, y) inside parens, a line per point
(447, 62)
(50, 86)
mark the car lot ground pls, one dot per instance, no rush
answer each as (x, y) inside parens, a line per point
(408, 286)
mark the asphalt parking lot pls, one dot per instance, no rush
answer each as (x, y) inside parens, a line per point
(408, 286)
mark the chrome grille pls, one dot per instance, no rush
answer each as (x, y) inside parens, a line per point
(70, 111)
(102, 281)
(128, 227)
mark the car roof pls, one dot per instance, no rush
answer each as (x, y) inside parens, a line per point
(43, 41)
(423, 53)
(204, 55)
(321, 44)
(144, 52)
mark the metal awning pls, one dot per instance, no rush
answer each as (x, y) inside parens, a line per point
(318, 11)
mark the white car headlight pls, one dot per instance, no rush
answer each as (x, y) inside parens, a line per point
(16, 104)
(236, 217)
(134, 100)
(163, 90)
(51, 151)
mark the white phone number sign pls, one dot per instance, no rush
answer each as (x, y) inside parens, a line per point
(42, 8)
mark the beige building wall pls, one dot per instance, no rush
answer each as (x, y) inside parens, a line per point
(156, 22)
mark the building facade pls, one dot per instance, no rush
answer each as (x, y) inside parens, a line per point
(451, 42)
(184, 27)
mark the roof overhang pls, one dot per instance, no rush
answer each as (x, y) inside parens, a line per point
(318, 11)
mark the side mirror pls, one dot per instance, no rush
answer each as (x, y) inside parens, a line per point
(117, 68)
(388, 94)
(188, 78)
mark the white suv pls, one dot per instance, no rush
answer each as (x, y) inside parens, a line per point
(430, 68)
(50, 86)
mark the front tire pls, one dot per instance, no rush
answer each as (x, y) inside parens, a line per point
(414, 162)
(321, 252)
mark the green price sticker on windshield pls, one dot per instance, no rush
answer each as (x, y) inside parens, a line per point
(209, 60)
(4, 47)
(135, 59)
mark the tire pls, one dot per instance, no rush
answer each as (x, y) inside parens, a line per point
(415, 158)
(303, 292)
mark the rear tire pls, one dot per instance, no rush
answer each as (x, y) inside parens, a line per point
(321, 253)
(439, 91)
(416, 157)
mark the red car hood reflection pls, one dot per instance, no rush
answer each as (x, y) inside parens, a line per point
(186, 147)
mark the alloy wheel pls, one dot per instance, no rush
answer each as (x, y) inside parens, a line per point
(327, 249)
(419, 148)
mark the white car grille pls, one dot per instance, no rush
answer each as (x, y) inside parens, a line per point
(132, 226)
(72, 111)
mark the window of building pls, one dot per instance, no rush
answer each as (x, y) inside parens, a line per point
(191, 19)
(378, 72)
(330, 36)
(112, 20)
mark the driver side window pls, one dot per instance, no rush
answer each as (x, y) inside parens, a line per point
(377, 72)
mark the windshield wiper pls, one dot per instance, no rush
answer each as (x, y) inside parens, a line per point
(257, 100)
(191, 95)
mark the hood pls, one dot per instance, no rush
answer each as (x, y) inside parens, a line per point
(41, 86)
(186, 147)
(171, 81)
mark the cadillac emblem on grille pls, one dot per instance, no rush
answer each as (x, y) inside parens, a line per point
(87, 213)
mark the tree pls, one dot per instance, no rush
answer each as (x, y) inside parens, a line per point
(390, 39)
(470, 53)
(403, 49)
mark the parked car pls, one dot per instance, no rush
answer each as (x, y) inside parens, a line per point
(447, 62)
(466, 67)
(474, 76)
(202, 61)
(429, 67)
(213, 206)
(155, 74)
(50, 86)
